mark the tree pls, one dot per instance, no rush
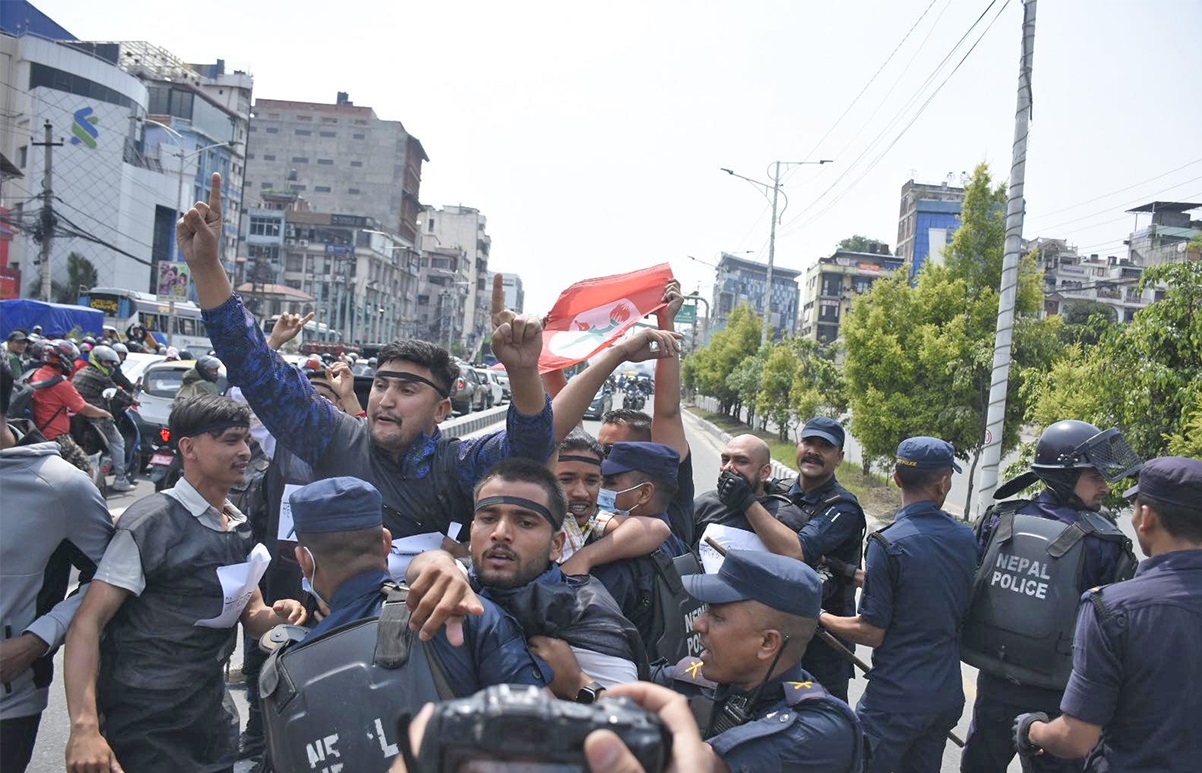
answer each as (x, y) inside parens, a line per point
(1080, 312)
(726, 349)
(1144, 377)
(860, 243)
(774, 387)
(81, 275)
(744, 382)
(920, 360)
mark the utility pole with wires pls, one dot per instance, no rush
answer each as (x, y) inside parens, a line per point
(47, 224)
(995, 418)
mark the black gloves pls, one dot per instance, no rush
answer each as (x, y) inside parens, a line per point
(735, 492)
(1022, 737)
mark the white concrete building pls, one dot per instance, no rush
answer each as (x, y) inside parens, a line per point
(113, 205)
(460, 228)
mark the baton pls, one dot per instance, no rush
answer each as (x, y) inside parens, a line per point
(837, 645)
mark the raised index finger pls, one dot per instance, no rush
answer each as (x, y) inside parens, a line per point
(498, 294)
(215, 195)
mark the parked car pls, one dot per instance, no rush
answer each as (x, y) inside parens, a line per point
(160, 382)
(502, 378)
(136, 364)
(468, 393)
(492, 389)
(603, 403)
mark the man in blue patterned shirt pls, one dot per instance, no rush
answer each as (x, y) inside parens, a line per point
(425, 479)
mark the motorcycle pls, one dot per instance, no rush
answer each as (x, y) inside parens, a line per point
(94, 444)
(166, 467)
(633, 397)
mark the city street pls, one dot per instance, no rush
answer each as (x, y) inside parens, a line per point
(706, 447)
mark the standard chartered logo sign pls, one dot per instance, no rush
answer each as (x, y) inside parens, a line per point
(84, 128)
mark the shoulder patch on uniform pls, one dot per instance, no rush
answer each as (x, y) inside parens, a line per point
(797, 692)
(688, 670)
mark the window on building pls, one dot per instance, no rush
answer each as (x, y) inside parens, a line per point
(273, 115)
(329, 120)
(296, 263)
(304, 133)
(832, 285)
(273, 130)
(430, 225)
(358, 136)
(264, 226)
(321, 188)
(254, 128)
(266, 184)
(296, 187)
(22, 156)
(329, 134)
(304, 118)
(829, 312)
(269, 157)
(300, 159)
(353, 191)
(356, 164)
(360, 122)
(325, 162)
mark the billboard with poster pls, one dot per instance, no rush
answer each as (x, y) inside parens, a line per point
(174, 278)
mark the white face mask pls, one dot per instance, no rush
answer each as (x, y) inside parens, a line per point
(307, 584)
(607, 499)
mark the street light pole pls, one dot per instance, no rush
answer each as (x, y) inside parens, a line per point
(775, 188)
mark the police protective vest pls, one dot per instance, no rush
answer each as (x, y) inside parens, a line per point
(333, 703)
(667, 612)
(1023, 612)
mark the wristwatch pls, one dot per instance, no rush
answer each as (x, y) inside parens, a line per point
(590, 692)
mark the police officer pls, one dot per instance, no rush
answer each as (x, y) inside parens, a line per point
(145, 648)
(765, 712)
(823, 523)
(916, 592)
(1132, 702)
(1025, 599)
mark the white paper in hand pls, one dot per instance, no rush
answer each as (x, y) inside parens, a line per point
(729, 538)
(287, 529)
(238, 583)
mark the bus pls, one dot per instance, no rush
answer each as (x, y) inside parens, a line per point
(172, 322)
(313, 332)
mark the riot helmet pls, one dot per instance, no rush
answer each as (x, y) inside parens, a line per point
(122, 351)
(104, 359)
(1068, 447)
(209, 367)
(60, 354)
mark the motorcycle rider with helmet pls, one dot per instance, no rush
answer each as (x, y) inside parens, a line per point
(91, 382)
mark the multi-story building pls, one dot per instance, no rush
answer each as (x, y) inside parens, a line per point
(1166, 238)
(1069, 278)
(113, 204)
(463, 229)
(198, 122)
(515, 296)
(930, 215)
(832, 284)
(340, 158)
(443, 297)
(740, 281)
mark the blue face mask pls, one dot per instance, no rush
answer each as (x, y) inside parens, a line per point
(607, 499)
(307, 586)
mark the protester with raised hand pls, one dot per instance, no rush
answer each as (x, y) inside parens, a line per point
(425, 479)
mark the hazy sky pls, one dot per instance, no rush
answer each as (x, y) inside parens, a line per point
(591, 135)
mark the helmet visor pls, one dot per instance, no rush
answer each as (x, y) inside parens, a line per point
(1111, 454)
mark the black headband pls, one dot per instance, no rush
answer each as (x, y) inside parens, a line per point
(582, 459)
(404, 375)
(520, 502)
(217, 426)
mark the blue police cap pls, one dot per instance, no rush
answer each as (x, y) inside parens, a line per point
(926, 453)
(780, 582)
(1174, 480)
(824, 427)
(654, 459)
(336, 504)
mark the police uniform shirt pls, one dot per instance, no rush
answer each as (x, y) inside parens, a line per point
(834, 530)
(493, 652)
(816, 733)
(919, 593)
(628, 578)
(1136, 667)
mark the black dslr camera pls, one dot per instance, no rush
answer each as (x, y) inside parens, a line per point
(521, 728)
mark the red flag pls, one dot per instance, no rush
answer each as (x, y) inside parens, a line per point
(592, 314)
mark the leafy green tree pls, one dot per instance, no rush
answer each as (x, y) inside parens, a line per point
(81, 275)
(1144, 377)
(773, 399)
(725, 351)
(860, 243)
(1080, 312)
(744, 381)
(920, 360)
